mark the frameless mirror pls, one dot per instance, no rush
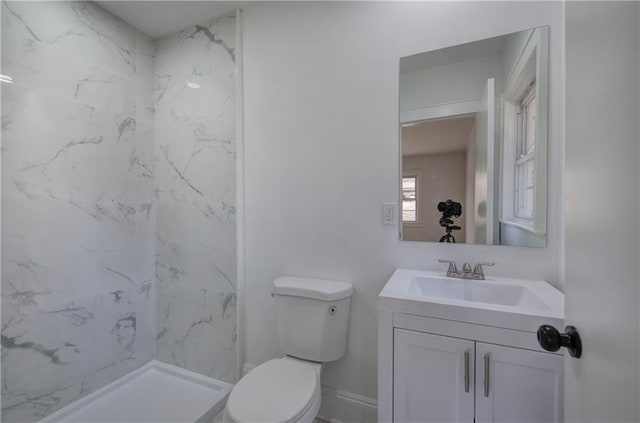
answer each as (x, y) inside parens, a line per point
(473, 121)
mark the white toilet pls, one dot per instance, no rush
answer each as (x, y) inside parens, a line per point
(313, 317)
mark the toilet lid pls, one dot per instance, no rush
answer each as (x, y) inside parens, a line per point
(279, 390)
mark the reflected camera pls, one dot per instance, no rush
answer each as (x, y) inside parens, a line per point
(450, 208)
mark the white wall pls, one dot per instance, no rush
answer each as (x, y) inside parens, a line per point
(513, 235)
(512, 50)
(470, 187)
(321, 81)
(460, 81)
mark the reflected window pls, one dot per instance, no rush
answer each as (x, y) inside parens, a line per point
(410, 199)
(525, 155)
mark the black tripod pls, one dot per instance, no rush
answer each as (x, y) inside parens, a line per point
(449, 227)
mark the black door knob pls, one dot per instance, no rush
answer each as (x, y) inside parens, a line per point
(551, 340)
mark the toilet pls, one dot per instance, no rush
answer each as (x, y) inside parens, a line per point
(312, 318)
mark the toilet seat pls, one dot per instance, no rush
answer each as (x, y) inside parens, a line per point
(280, 390)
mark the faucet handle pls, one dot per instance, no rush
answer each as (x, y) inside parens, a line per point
(452, 271)
(478, 273)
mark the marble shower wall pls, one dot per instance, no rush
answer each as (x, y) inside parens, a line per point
(77, 204)
(195, 197)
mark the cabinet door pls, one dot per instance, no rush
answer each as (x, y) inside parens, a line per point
(523, 385)
(429, 373)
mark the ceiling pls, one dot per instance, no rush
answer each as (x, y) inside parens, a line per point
(437, 136)
(160, 18)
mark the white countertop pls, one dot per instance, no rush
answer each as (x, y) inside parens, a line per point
(400, 295)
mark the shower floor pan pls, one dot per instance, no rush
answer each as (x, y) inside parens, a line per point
(155, 393)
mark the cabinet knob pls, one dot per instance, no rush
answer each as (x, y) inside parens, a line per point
(551, 340)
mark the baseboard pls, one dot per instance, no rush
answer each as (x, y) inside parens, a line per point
(341, 406)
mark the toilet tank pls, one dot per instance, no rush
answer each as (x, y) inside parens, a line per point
(313, 317)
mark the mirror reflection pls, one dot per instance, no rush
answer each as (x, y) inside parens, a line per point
(473, 121)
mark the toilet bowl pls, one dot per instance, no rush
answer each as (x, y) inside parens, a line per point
(313, 317)
(283, 390)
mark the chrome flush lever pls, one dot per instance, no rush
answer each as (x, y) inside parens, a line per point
(452, 271)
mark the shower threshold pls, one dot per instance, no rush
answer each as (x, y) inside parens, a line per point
(154, 393)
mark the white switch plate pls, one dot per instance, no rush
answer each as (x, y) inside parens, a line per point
(388, 213)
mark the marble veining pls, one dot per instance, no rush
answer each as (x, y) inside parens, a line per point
(81, 28)
(195, 198)
(79, 346)
(118, 202)
(78, 204)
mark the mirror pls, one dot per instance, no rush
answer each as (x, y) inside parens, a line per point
(473, 122)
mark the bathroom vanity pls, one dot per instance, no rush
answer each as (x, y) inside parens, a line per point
(456, 350)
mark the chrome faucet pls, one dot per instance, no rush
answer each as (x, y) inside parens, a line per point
(478, 273)
(466, 273)
(452, 271)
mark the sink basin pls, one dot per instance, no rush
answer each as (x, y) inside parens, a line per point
(510, 303)
(476, 291)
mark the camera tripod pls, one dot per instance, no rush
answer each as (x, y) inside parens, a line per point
(449, 227)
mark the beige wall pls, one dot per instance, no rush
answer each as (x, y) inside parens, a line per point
(442, 177)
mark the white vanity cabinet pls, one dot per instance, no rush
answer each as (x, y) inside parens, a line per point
(452, 351)
(445, 379)
(523, 385)
(432, 378)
